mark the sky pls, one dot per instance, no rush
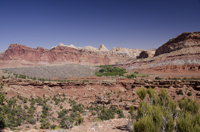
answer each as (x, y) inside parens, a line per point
(134, 24)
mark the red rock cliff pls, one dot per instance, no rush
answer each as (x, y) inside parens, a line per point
(60, 55)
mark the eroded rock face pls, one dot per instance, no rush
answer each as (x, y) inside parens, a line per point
(19, 55)
(185, 40)
(179, 55)
(145, 54)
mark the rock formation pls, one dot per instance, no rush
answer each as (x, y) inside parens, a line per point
(179, 55)
(145, 54)
(185, 40)
(20, 55)
(103, 48)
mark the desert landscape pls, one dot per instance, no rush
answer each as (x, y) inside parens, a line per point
(73, 89)
(99, 66)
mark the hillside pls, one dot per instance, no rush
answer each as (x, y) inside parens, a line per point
(179, 55)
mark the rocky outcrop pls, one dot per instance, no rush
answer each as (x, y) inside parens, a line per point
(185, 40)
(179, 55)
(145, 54)
(131, 52)
(20, 55)
(125, 84)
(103, 48)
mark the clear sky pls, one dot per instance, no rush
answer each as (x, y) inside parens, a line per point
(142, 24)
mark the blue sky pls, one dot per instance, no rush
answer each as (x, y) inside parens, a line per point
(142, 24)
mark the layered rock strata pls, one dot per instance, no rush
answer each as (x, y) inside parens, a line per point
(180, 54)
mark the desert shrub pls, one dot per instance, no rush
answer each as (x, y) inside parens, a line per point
(1, 98)
(25, 100)
(61, 107)
(164, 94)
(136, 72)
(151, 92)
(93, 113)
(106, 114)
(79, 119)
(141, 93)
(144, 124)
(163, 116)
(20, 97)
(189, 123)
(45, 124)
(131, 76)
(45, 109)
(39, 100)
(11, 102)
(189, 94)
(32, 121)
(25, 107)
(78, 108)
(120, 113)
(2, 121)
(189, 106)
(180, 92)
(62, 113)
(66, 123)
(158, 78)
(53, 127)
(133, 100)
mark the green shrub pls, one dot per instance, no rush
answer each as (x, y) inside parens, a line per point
(136, 72)
(180, 92)
(1, 98)
(25, 107)
(144, 124)
(2, 121)
(62, 113)
(141, 93)
(189, 123)
(93, 113)
(45, 124)
(108, 70)
(120, 113)
(151, 92)
(79, 119)
(65, 123)
(106, 114)
(158, 78)
(189, 94)
(163, 116)
(131, 76)
(53, 126)
(133, 100)
(61, 107)
(189, 106)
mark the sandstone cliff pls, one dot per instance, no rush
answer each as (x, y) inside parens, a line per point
(20, 55)
(179, 55)
(185, 40)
